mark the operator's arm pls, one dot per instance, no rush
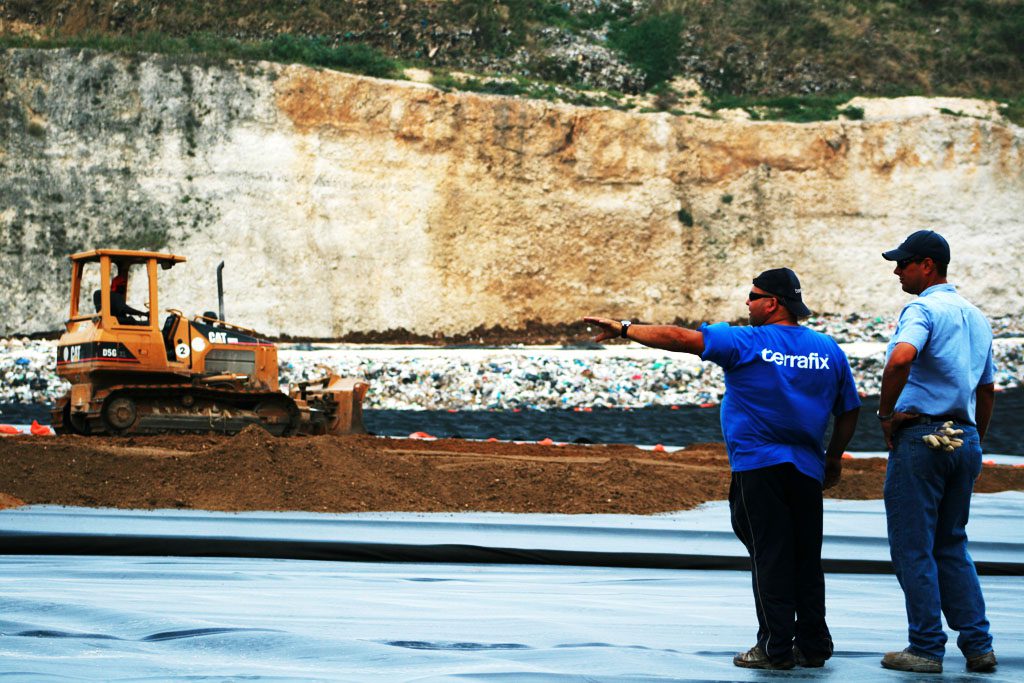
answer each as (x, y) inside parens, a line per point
(119, 306)
(983, 408)
(894, 378)
(667, 337)
(842, 432)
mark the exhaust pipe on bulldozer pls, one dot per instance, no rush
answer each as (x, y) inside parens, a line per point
(220, 290)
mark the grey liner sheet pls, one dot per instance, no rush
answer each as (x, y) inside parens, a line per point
(701, 538)
(117, 618)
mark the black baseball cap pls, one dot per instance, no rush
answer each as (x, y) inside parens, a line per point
(783, 283)
(921, 244)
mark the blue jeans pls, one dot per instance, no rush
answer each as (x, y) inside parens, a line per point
(927, 502)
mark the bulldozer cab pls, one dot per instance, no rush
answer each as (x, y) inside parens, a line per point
(114, 319)
(114, 329)
(113, 288)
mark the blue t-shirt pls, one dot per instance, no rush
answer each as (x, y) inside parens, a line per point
(781, 384)
(954, 353)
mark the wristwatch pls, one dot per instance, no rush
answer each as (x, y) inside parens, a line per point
(623, 331)
(884, 418)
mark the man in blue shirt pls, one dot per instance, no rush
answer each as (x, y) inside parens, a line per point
(782, 383)
(938, 370)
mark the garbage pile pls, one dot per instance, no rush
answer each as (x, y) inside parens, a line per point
(509, 381)
(847, 329)
(535, 378)
(475, 37)
(582, 58)
(553, 379)
(28, 372)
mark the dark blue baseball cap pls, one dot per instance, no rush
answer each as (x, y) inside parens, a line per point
(919, 245)
(783, 283)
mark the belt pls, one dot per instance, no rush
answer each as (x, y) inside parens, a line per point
(930, 419)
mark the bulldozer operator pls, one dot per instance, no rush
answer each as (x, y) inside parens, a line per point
(125, 314)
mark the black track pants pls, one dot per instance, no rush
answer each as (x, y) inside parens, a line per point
(776, 513)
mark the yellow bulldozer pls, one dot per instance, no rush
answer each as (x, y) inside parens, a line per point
(130, 375)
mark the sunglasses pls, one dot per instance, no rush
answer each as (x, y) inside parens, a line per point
(754, 296)
(903, 263)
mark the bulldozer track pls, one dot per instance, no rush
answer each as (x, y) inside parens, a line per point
(185, 408)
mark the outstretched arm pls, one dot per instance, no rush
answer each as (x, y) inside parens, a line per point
(667, 337)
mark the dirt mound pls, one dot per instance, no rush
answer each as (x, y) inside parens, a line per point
(7, 501)
(256, 471)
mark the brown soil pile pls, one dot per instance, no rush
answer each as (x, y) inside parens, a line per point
(256, 471)
(7, 501)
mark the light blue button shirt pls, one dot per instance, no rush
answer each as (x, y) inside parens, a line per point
(954, 353)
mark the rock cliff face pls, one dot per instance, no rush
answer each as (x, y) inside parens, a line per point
(346, 204)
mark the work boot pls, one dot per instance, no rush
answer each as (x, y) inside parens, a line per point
(807, 663)
(755, 658)
(982, 664)
(908, 661)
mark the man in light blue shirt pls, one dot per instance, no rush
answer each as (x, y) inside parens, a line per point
(938, 370)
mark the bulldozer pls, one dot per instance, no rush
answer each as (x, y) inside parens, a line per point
(130, 375)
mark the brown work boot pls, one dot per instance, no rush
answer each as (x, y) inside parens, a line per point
(982, 664)
(908, 661)
(806, 662)
(755, 658)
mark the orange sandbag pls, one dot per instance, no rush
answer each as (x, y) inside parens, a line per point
(8, 429)
(40, 430)
(422, 436)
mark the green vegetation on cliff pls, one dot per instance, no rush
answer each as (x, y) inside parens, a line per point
(758, 54)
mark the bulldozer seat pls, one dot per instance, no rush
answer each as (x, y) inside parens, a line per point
(168, 334)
